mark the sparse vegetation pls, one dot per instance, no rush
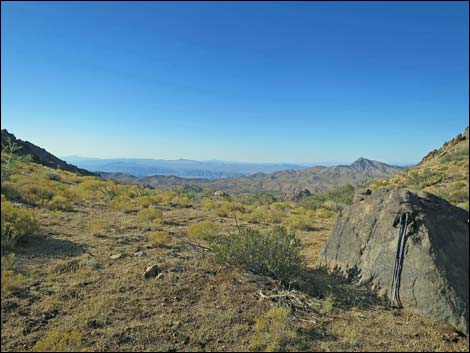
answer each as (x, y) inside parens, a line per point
(60, 340)
(149, 214)
(338, 197)
(204, 230)
(275, 254)
(159, 238)
(16, 223)
(272, 331)
(97, 227)
(11, 281)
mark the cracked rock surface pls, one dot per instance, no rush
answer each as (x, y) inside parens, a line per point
(435, 275)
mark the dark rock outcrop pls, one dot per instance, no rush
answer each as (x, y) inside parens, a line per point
(41, 156)
(435, 275)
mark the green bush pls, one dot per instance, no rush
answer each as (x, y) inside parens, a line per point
(10, 280)
(341, 196)
(16, 223)
(60, 340)
(61, 203)
(275, 254)
(299, 222)
(149, 214)
(272, 331)
(204, 230)
(122, 203)
(262, 198)
(159, 239)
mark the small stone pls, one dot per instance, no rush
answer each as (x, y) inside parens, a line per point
(116, 256)
(139, 253)
(152, 271)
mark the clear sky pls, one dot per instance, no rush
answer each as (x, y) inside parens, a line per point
(261, 82)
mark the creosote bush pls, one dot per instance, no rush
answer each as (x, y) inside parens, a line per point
(272, 331)
(149, 214)
(16, 223)
(159, 239)
(60, 340)
(275, 254)
(122, 203)
(204, 230)
(10, 280)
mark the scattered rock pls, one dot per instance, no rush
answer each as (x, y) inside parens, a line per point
(295, 196)
(434, 277)
(152, 271)
(220, 193)
(139, 253)
(117, 256)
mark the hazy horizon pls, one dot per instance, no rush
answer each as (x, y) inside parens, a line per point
(297, 82)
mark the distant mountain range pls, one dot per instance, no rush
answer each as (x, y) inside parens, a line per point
(314, 179)
(184, 168)
(232, 177)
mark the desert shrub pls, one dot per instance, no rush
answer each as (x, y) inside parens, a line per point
(53, 176)
(324, 213)
(34, 189)
(60, 340)
(328, 304)
(166, 197)
(275, 254)
(262, 198)
(282, 206)
(90, 188)
(149, 214)
(272, 331)
(181, 200)
(16, 223)
(141, 190)
(208, 203)
(299, 222)
(156, 223)
(109, 190)
(458, 154)
(122, 203)
(61, 203)
(204, 230)
(97, 227)
(263, 214)
(159, 239)
(145, 201)
(10, 158)
(341, 196)
(10, 281)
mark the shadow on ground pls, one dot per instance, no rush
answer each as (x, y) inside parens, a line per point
(348, 294)
(44, 246)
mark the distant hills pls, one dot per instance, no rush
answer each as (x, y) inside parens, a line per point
(231, 177)
(314, 179)
(185, 168)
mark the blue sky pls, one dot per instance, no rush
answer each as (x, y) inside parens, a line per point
(261, 82)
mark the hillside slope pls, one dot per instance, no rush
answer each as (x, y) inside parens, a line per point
(40, 155)
(443, 172)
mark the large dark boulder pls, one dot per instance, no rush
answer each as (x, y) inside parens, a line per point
(435, 273)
